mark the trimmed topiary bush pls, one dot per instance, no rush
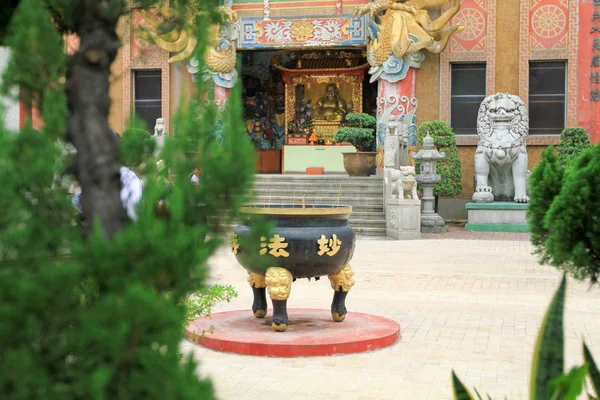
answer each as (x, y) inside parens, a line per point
(545, 183)
(572, 142)
(361, 120)
(573, 220)
(359, 131)
(449, 168)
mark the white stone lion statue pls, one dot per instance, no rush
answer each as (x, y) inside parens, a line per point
(401, 183)
(501, 155)
(160, 131)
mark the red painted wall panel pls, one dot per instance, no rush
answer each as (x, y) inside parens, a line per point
(588, 111)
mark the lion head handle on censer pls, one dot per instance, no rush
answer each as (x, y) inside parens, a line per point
(331, 107)
(399, 29)
(174, 30)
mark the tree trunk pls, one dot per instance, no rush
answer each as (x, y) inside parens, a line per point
(89, 104)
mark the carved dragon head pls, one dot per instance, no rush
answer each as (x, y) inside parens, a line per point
(502, 109)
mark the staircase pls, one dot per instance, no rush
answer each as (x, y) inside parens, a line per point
(364, 194)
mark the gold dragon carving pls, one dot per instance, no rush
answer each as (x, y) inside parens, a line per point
(174, 31)
(397, 20)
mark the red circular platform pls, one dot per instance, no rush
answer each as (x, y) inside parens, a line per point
(310, 333)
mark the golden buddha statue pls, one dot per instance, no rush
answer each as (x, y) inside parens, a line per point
(331, 107)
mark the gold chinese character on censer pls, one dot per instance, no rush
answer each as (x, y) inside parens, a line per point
(329, 246)
(277, 245)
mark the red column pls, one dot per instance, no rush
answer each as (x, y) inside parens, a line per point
(395, 100)
(588, 110)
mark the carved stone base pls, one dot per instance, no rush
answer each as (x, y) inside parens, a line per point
(497, 217)
(433, 223)
(403, 219)
(483, 197)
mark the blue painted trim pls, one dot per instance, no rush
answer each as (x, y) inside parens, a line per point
(515, 228)
(247, 32)
(497, 205)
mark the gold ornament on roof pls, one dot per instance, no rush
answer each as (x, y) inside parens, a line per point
(174, 31)
(403, 26)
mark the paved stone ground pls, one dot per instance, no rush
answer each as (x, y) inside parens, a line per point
(474, 306)
(456, 232)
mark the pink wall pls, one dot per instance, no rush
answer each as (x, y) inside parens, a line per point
(588, 111)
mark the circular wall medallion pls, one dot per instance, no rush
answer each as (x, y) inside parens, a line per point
(474, 22)
(548, 21)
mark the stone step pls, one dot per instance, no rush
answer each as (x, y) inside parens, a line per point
(329, 177)
(296, 188)
(364, 194)
(360, 231)
(316, 194)
(367, 223)
(367, 215)
(311, 199)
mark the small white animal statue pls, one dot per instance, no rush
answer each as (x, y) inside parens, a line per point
(401, 183)
(160, 129)
(501, 155)
(160, 132)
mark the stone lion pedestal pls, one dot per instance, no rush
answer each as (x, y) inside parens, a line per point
(402, 206)
(499, 216)
(403, 219)
(500, 199)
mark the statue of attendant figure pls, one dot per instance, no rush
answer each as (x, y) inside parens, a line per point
(331, 107)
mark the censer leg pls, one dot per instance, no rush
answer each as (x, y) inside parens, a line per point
(279, 284)
(259, 305)
(341, 282)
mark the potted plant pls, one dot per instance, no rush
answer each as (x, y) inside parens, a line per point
(359, 130)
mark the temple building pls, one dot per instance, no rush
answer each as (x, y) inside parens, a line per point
(306, 63)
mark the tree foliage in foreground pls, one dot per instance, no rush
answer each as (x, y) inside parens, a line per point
(545, 183)
(100, 315)
(564, 213)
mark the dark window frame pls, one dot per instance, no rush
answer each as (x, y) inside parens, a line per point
(469, 100)
(545, 101)
(153, 101)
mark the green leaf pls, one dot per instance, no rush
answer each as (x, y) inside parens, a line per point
(548, 357)
(593, 369)
(460, 391)
(448, 168)
(545, 184)
(568, 386)
(361, 138)
(572, 142)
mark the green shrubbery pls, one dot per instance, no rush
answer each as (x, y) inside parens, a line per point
(572, 142)
(449, 168)
(136, 146)
(102, 315)
(563, 213)
(359, 131)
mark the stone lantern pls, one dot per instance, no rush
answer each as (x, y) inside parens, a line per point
(431, 222)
